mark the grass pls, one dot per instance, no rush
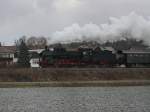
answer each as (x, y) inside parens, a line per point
(74, 77)
(73, 74)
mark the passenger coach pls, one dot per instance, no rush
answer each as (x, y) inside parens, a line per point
(137, 58)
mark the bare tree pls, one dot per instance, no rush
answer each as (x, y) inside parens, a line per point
(37, 42)
(42, 41)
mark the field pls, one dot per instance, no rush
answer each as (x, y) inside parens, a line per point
(73, 74)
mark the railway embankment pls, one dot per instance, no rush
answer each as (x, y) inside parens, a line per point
(74, 77)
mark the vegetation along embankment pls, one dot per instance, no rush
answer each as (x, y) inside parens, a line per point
(74, 76)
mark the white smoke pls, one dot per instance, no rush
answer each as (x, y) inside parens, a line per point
(131, 26)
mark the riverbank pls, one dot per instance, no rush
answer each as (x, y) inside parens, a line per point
(112, 83)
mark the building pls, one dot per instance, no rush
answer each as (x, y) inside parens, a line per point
(7, 55)
(34, 57)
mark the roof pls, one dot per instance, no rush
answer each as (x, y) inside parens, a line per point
(37, 50)
(36, 47)
(7, 49)
(34, 55)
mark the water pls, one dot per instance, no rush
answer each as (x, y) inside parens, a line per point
(99, 99)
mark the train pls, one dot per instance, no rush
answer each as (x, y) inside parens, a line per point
(93, 57)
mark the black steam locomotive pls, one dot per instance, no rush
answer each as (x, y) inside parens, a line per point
(88, 57)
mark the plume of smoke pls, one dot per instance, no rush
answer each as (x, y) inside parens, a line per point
(131, 26)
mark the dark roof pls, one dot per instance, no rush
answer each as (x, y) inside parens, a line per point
(7, 49)
(35, 48)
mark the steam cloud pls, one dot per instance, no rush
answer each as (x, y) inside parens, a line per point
(131, 26)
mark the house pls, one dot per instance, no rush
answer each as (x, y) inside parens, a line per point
(34, 57)
(7, 55)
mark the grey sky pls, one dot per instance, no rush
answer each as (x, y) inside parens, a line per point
(43, 17)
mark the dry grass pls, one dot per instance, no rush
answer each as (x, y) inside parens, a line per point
(95, 74)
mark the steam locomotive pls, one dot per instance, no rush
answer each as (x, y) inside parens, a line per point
(88, 57)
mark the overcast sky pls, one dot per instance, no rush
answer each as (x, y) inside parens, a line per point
(44, 17)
